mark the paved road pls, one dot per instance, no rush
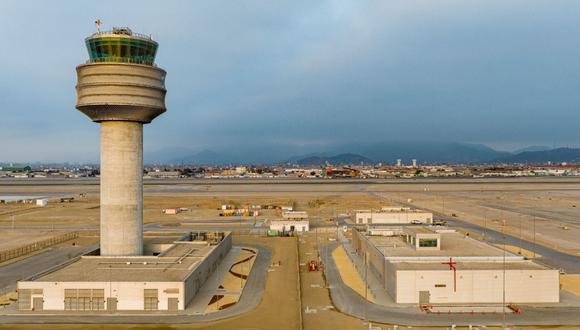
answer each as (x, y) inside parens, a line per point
(550, 257)
(349, 302)
(250, 299)
(15, 271)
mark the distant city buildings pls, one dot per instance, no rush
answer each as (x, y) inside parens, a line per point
(282, 171)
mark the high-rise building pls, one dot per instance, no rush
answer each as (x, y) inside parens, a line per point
(121, 88)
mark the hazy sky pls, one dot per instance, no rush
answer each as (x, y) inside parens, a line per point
(503, 73)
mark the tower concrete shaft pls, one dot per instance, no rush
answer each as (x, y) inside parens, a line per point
(121, 188)
(121, 89)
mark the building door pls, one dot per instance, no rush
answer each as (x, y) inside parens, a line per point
(172, 304)
(24, 299)
(111, 305)
(150, 299)
(37, 303)
(424, 297)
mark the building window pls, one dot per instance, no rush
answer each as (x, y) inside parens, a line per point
(84, 299)
(440, 285)
(427, 242)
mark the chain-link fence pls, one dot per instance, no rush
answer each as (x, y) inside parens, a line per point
(36, 246)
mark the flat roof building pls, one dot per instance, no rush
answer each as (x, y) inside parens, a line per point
(295, 215)
(286, 226)
(418, 265)
(393, 215)
(168, 279)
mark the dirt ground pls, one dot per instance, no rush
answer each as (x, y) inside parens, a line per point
(571, 283)
(547, 205)
(548, 214)
(11, 239)
(272, 313)
(350, 276)
(84, 212)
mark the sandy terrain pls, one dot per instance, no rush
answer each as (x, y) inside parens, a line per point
(348, 273)
(551, 202)
(571, 283)
(233, 284)
(84, 213)
(545, 213)
(11, 239)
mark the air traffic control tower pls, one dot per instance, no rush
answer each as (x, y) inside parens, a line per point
(121, 88)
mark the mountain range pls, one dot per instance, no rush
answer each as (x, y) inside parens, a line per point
(386, 152)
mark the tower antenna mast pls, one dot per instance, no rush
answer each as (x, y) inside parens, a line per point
(98, 23)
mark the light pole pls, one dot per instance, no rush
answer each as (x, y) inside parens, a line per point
(503, 277)
(534, 235)
(521, 234)
(484, 223)
(366, 287)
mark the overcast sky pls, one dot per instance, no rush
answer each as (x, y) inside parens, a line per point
(312, 73)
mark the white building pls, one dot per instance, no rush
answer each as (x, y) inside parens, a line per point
(295, 215)
(419, 266)
(167, 281)
(393, 215)
(290, 225)
(42, 202)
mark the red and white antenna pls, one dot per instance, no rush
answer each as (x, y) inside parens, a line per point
(98, 23)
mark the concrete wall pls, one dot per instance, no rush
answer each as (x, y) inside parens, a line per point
(205, 268)
(390, 282)
(121, 188)
(478, 286)
(120, 91)
(374, 258)
(129, 294)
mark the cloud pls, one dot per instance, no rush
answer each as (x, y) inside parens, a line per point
(304, 72)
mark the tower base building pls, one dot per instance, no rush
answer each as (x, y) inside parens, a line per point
(166, 280)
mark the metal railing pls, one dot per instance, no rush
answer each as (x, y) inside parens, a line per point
(117, 59)
(115, 33)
